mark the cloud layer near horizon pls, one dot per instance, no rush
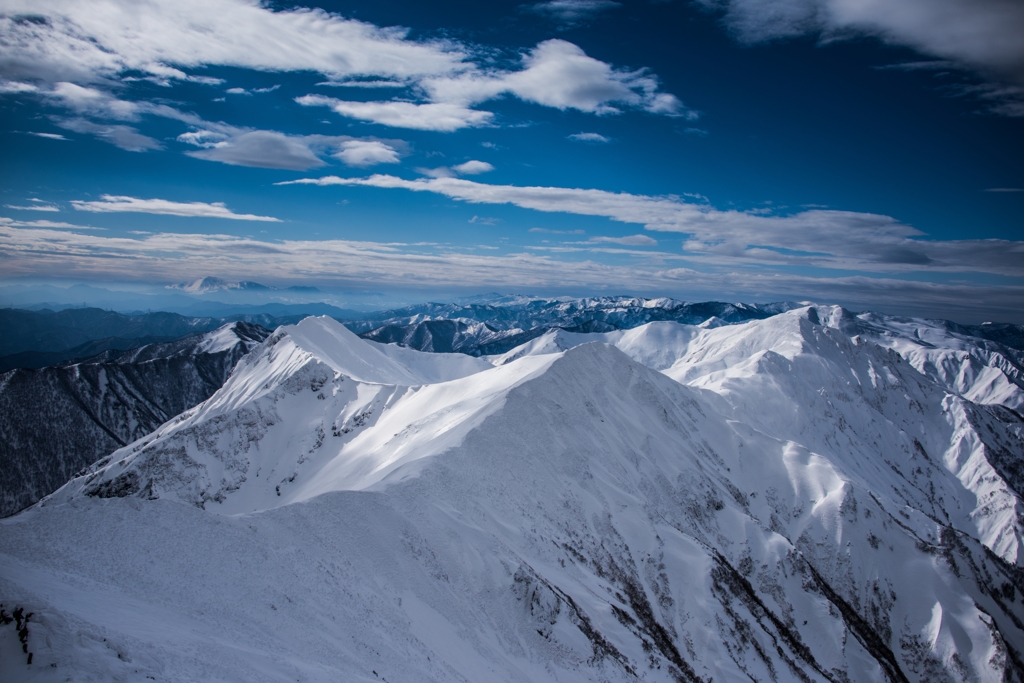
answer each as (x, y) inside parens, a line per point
(172, 257)
(821, 238)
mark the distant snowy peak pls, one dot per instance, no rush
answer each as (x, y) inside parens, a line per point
(215, 284)
(594, 314)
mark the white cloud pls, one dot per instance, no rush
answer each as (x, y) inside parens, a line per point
(258, 148)
(444, 117)
(556, 73)
(629, 241)
(14, 87)
(77, 51)
(125, 137)
(50, 136)
(983, 35)
(559, 74)
(573, 12)
(819, 238)
(119, 204)
(93, 102)
(93, 41)
(204, 80)
(48, 225)
(473, 167)
(484, 220)
(362, 153)
(271, 149)
(589, 137)
(34, 207)
(558, 232)
(363, 83)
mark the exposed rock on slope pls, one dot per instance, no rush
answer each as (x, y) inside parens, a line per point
(58, 420)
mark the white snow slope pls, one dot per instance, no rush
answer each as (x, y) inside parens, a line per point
(810, 497)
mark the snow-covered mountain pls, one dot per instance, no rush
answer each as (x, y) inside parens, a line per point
(57, 420)
(594, 314)
(811, 496)
(205, 285)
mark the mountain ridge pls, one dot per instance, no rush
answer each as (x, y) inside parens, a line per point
(813, 495)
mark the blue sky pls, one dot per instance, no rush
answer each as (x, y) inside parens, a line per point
(845, 151)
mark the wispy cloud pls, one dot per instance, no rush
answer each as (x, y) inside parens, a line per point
(163, 37)
(472, 167)
(629, 240)
(271, 149)
(120, 204)
(556, 73)
(1005, 189)
(589, 137)
(49, 225)
(122, 136)
(443, 117)
(75, 56)
(980, 35)
(49, 136)
(16, 87)
(172, 257)
(821, 238)
(558, 232)
(364, 83)
(257, 148)
(572, 12)
(37, 206)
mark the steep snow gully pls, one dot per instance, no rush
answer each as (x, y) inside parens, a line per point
(815, 496)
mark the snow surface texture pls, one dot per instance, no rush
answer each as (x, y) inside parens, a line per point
(774, 500)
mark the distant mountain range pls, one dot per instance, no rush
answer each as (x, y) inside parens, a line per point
(492, 328)
(35, 339)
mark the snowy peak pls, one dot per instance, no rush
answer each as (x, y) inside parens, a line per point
(215, 284)
(333, 344)
(271, 420)
(209, 284)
